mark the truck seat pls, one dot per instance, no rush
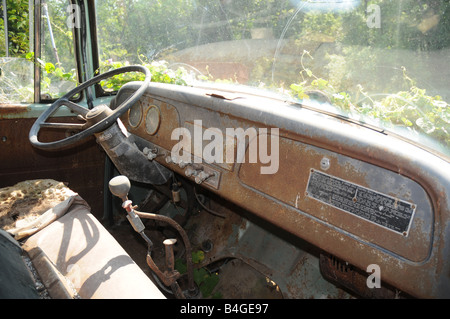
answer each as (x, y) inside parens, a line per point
(76, 257)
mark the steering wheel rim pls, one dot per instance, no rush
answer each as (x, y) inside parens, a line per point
(99, 126)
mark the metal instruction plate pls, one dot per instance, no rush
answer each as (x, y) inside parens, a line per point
(386, 211)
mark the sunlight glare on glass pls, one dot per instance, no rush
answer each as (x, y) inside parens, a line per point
(326, 5)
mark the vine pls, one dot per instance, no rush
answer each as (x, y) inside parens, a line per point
(412, 109)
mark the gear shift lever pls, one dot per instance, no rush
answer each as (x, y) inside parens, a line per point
(120, 186)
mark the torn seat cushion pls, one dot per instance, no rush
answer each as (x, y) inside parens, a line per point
(74, 255)
(31, 205)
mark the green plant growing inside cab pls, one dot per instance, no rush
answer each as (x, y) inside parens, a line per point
(205, 280)
(53, 76)
(412, 109)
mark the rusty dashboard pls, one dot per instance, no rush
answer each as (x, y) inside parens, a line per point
(358, 193)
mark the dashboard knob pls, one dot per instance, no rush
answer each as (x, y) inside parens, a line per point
(190, 171)
(202, 176)
(182, 164)
(169, 159)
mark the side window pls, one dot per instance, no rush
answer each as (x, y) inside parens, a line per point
(16, 72)
(55, 60)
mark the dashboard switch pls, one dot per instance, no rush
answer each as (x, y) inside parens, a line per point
(169, 159)
(150, 153)
(190, 171)
(202, 176)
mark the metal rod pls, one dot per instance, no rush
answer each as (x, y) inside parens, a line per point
(64, 126)
(85, 62)
(5, 24)
(37, 51)
(187, 244)
(170, 259)
(50, 30)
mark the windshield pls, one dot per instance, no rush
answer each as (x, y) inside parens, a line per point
(380, 62)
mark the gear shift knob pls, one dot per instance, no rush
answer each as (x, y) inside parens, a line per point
(120, 186)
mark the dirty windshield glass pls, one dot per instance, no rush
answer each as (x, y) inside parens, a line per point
(382, 62)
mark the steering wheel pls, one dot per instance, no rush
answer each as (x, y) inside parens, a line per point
(97, 119)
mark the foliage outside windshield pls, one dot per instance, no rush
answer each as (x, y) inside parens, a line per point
(56, 58)
(383, 62)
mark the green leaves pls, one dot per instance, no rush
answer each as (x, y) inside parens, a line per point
(18, 28)
(159, 70)
(49, 68)
(205, 280)
(412, 108)
(416, 110)
(198, 256)
(53, 74)
(299, 91)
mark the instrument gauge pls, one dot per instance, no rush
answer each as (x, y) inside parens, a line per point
(152, 119)
(135, 115)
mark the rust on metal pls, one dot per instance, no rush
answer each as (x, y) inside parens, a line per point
(12, 111)
(354, 279)
(187, 245)
(281, 199)
(81, 167)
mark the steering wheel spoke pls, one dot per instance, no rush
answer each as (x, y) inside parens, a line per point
(64, 126)
(78, 109)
